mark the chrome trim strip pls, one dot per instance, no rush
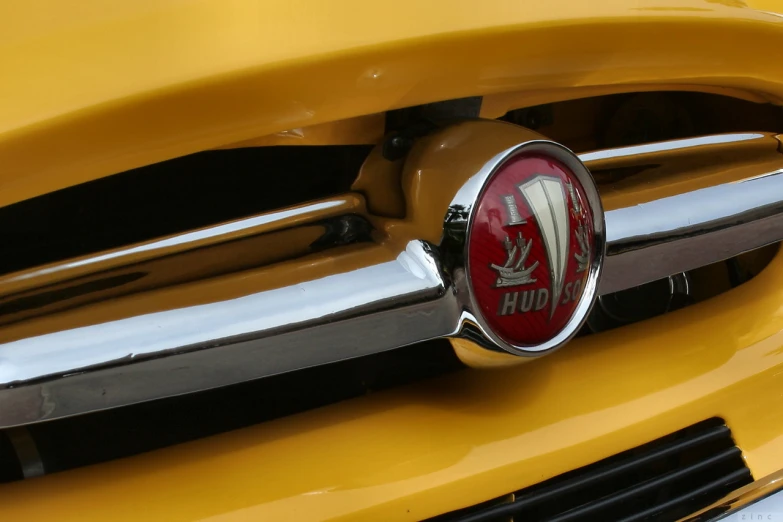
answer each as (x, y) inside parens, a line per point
(656, 239)
(635, 151)
(208, 236)
(251, 243)
(680, 233)
(398, 302)
(193, 239)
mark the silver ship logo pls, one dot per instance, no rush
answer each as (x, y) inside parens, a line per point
(513, 272)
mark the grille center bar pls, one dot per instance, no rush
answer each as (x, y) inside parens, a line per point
(354, 293)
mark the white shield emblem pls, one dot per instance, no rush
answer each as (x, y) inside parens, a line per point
(547, 199)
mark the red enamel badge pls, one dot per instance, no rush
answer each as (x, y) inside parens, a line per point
(529, 249)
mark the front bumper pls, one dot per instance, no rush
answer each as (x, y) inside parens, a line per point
(455, 441)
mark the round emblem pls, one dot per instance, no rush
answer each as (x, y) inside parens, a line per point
(534, 248)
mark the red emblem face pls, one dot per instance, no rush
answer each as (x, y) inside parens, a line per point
(529, 249)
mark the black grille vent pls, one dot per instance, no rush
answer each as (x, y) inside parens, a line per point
(661, 481)
(170, 197)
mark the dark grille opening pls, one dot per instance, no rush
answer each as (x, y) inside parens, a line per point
(663, 480)
(171, 197)
(634, 118)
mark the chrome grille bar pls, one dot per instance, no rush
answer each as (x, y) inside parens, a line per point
(288, 233)
(343, 287)
(680, 233)
(399, 301)
(735, 204)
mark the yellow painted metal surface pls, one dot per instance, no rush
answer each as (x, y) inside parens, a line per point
(361, 130)
(420, 450)
(102, 86)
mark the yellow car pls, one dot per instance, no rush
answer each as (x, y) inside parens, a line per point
(310, 260)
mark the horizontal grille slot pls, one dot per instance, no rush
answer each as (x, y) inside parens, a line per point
(287, 234)
(662, 480)
(171, 197)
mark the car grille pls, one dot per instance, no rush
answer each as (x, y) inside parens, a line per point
(261, 288)
(662, 480)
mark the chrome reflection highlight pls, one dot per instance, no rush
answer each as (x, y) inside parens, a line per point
(371, 309)
(177, 243)
(670, 146)
(669, 235)
(676, 234)
(195, 256)
(187, 239)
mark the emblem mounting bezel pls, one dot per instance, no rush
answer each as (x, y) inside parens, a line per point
(467, 198)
